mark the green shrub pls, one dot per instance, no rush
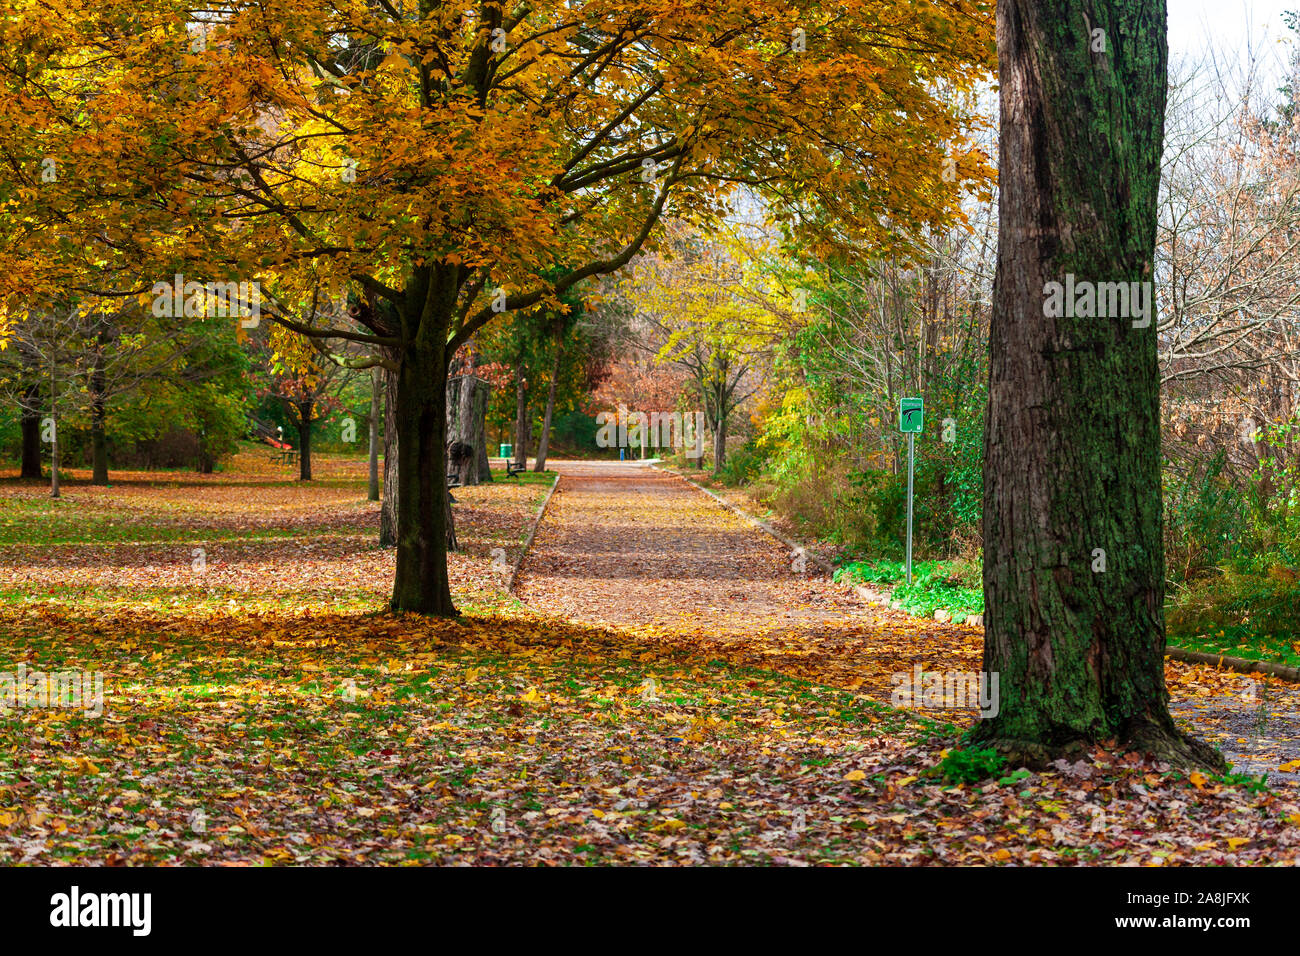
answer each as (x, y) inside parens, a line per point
(742, 465)
(830, 500)
(1204, 519)
(956, 586)
(1240, 613)
(970, 766)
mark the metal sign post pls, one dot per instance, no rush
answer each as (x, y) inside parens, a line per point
(911, 420)
(911, 459)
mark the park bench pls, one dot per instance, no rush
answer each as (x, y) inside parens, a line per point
(514, 471)
(285, 457)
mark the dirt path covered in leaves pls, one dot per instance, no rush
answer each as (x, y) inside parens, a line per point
(623, 544)
(644, 552)
(710, 702)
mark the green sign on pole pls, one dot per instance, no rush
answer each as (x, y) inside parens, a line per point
(911, 419)
(911, 416)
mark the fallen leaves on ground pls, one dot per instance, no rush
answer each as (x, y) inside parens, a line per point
(712, 711)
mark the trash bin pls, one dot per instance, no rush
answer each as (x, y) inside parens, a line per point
(507, 451)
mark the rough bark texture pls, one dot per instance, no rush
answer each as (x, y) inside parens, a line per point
(544, 441)
(484, 465)
(376, 383)
(467, 402)
(98, 446)
(1072, 439)
(388, 512)
(424, 524)
(31, 431)
(719, 444)
(55, 459)
(306, 415)
(421, 582)
(98, 416)
(522, 424)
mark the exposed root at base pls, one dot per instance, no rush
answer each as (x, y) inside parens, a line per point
(1157, 739)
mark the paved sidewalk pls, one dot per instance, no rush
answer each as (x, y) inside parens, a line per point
(641, 550)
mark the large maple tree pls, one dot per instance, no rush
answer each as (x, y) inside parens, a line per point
(436, 162)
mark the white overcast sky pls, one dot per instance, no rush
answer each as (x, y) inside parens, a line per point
(1228, 26)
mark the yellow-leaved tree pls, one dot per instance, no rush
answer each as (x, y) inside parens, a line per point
(443, 165)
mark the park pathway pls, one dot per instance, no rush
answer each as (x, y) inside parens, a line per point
(624, 544)
(643, 551)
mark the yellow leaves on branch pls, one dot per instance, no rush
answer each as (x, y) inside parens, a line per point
(258, 143)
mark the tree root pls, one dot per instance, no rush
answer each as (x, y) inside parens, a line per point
(1155, 738)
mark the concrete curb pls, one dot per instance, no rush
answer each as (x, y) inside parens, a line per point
(871, 597)
(1239, 664)
(537, 521)
(881, 599)
(793, 546)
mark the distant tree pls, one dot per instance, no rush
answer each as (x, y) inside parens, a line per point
(442, 160)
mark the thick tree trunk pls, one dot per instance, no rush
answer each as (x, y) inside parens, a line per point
(1072, 438)
(544, 441)
(484, 465)
(423, 512)
(98, 445)
(376, 383)
(388, 512)
(31, 431)
(98, 413)
(54, 427)
(54, 464)
(206, 463)
(481, 398)
(720, 442)
(306, 415)
(522, 424)
(467, 398)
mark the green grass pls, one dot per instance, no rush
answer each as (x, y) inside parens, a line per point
(90, 597)
(969, 766)
(40, 521)
(527, 477)
(950, 585)
(1254, 616)
(1243, 641)
(424, 744)
(48, 521)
